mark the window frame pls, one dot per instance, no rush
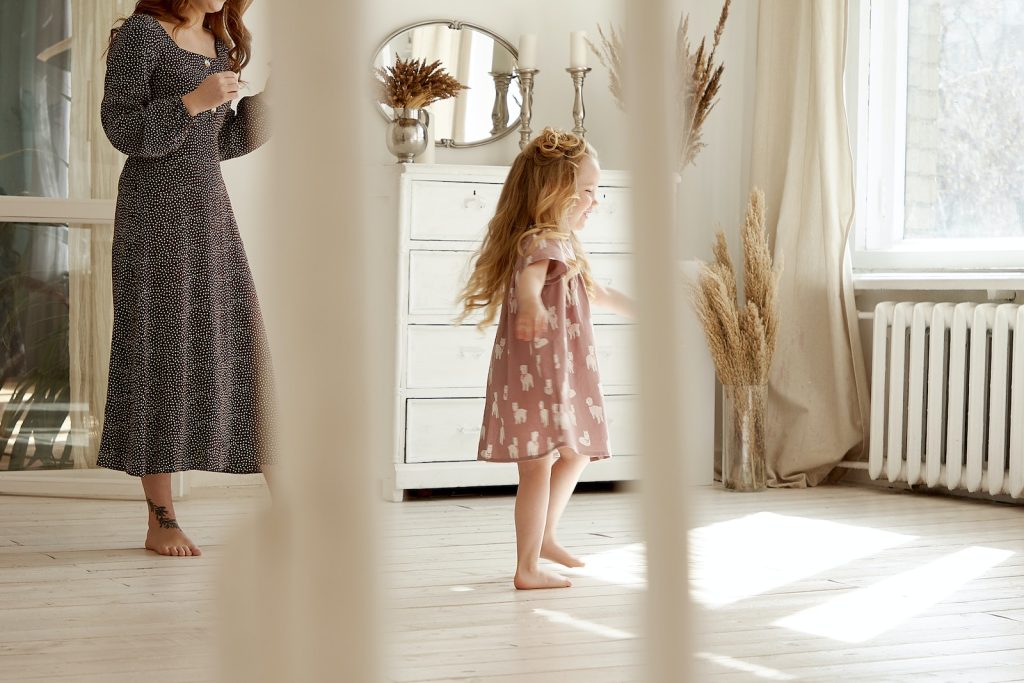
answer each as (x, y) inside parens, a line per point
(876, 86)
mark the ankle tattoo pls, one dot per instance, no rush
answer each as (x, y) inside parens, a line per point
(160, 512)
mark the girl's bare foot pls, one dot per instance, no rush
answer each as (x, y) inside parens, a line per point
(528, 579)
(551, 550)
(171, 541)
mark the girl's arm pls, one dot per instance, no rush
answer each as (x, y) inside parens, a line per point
(531, 318)
(613, 300)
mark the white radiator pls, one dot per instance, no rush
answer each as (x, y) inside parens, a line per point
(947, 396)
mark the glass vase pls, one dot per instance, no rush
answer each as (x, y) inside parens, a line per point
(743, 437)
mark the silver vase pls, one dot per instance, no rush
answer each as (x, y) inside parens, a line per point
(407, 134)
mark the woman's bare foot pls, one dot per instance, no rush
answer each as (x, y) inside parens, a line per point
(551, 550)
(165, 536)
(539, 578)
(171, 541)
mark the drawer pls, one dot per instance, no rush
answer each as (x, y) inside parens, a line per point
(611, 221)
(435, 280)
(448, 356)
(615, 346)
(460, 211)
(442, 430)
(448, 430)
(451, 210)
(621, 417)
(612, 270)
(437, 277)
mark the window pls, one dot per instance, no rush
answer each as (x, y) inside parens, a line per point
(938, 87)
(58, 176)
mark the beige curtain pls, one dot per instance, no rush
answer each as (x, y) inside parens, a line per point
(93, 173)
(802, 159)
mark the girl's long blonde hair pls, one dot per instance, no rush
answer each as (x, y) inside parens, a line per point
(535, 201)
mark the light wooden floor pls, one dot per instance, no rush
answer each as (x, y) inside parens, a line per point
(830, 584)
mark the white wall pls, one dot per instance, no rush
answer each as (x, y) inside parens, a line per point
(712, 194)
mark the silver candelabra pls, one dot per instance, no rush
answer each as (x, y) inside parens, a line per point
(526, 110)
(499, 113)
(579, 112)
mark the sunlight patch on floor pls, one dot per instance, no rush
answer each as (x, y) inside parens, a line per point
(625, 566)
(746, 667)
(584, 625)
(864, 613)
(748, 556)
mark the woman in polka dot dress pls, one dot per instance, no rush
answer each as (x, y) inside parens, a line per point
(189, 385)
(543, 410)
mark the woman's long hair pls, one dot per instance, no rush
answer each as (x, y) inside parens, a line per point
(535, 201)
(226, 25)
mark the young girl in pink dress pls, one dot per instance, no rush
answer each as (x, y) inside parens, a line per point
(544, 409)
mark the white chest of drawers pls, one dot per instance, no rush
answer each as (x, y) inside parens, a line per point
(441, 214)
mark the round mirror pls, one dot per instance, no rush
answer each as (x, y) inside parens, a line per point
(489, 108)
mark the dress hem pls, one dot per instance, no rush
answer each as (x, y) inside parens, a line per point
(594, 457)
(135, 473)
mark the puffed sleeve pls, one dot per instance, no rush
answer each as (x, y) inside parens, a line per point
(556, 251)
(136, 123)
(246, 129)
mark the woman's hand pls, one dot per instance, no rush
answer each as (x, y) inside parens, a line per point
(214, 91)
(531, 320)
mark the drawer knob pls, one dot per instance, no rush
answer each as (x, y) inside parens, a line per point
(474, 202)
(468, 430)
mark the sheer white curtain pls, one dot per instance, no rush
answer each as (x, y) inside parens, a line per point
(94, 169)
(802, 159)
(440, 42)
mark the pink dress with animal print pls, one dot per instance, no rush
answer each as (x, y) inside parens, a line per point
(546, 393)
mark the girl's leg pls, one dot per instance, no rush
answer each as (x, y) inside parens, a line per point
(565, 473)
(165, 536)
(531, 514)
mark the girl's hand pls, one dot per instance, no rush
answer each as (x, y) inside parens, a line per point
(214, 91)
(531, 320)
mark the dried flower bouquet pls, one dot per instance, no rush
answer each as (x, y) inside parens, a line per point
(742, 335)
(414, 84)
(698, 79)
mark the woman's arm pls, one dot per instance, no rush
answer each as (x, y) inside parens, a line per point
(247, 129)
(613, 300)
(136, 123)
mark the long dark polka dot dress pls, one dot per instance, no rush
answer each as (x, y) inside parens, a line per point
(190, 385)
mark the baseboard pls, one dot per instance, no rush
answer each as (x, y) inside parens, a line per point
(86, 483)
(860, 477)
(200, 480)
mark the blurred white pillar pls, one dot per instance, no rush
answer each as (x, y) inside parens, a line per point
(300, 587)
(660, 294)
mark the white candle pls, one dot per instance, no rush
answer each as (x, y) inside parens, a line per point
(501, 59)
(578, 49)
(528, 51)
